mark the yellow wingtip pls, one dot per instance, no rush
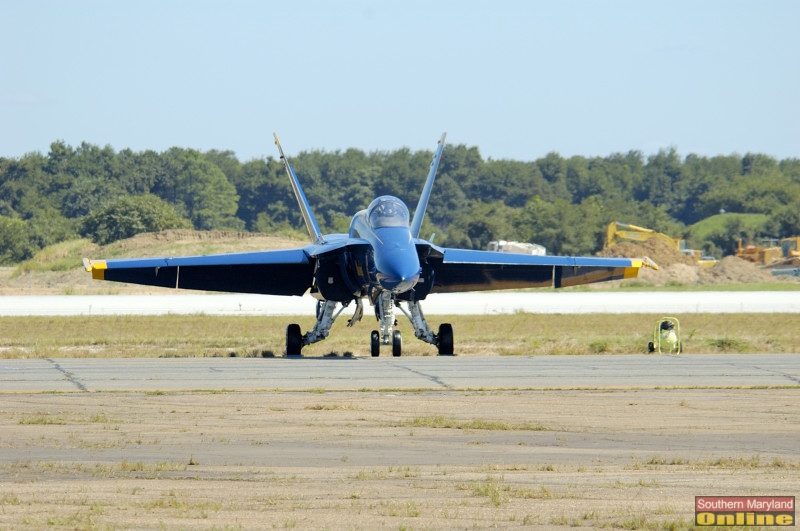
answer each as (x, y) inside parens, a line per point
(96, 267)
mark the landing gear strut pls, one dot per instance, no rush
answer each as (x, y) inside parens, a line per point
(326, 315)
(385, 305)
(384, 311)
(443, 340)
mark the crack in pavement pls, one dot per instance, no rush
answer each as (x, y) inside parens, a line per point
(69, 376)
(435, 379)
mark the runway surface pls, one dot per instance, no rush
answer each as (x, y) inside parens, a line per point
(434, 373)
(553, 302)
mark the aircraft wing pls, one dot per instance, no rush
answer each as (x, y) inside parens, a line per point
(281, 272)
(457, 270)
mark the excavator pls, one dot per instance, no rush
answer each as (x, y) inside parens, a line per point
(623, 231)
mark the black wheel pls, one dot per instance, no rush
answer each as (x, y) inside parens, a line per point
(397, 343)
(445, 339)
(294, 340)
(375, 344)
(651, 347)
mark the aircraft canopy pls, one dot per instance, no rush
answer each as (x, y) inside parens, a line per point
(388, 211)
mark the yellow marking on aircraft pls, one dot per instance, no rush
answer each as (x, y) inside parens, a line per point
(98, 269)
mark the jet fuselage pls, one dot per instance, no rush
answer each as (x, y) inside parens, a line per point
(392, 263)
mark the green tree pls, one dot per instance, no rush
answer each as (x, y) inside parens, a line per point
(553, 168)
(480, 223)
(790, 168)
(511, 182)
(88, 193)
(227, 162)
(129, 216)
(786, 221)
(542, 222)
(446, 203)
(26, 188)
(734, 229)
(662, 177)
(49, 227)
(758, 164)
(199, 190)
(15, 245)
(264, 193)
(402, 174)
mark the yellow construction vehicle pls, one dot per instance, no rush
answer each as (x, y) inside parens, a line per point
(699, 258)
(758, 254)
(622, 231)
(790, 247)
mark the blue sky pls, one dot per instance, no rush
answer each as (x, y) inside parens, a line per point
(516, 79)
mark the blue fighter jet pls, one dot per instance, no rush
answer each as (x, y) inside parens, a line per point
(382, 259)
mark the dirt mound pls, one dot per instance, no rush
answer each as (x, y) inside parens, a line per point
(735, 270)
(178, 242)
(174, 235)
(678, 268)
(74, 280)
(188, 237)
(656, 249)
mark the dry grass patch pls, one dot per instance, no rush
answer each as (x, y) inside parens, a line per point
(516, 334)
(437, 421)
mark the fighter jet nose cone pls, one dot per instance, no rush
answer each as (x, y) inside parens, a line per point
(398, 283)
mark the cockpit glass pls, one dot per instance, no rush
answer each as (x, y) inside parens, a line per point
(388, 213)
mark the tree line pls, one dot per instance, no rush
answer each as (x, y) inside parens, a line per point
(562, 203)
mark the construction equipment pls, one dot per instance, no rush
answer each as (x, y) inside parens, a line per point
(790, 247)
(505, 246)
(792, 271)
(699, 258)
(761, 255)
(666, 336)
(622, 231)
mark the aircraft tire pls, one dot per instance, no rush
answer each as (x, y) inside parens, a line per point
(375, 344)
(294, 340)
(445, 339)
(397, 343)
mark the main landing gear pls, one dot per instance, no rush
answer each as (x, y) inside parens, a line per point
(385, 306)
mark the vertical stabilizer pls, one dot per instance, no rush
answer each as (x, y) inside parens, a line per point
(419, 213)
(305, 208)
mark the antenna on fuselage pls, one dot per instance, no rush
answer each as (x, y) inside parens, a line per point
(419, 213)
(305, 208)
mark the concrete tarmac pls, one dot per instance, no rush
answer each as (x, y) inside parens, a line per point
(423, 373)
(621, 441)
